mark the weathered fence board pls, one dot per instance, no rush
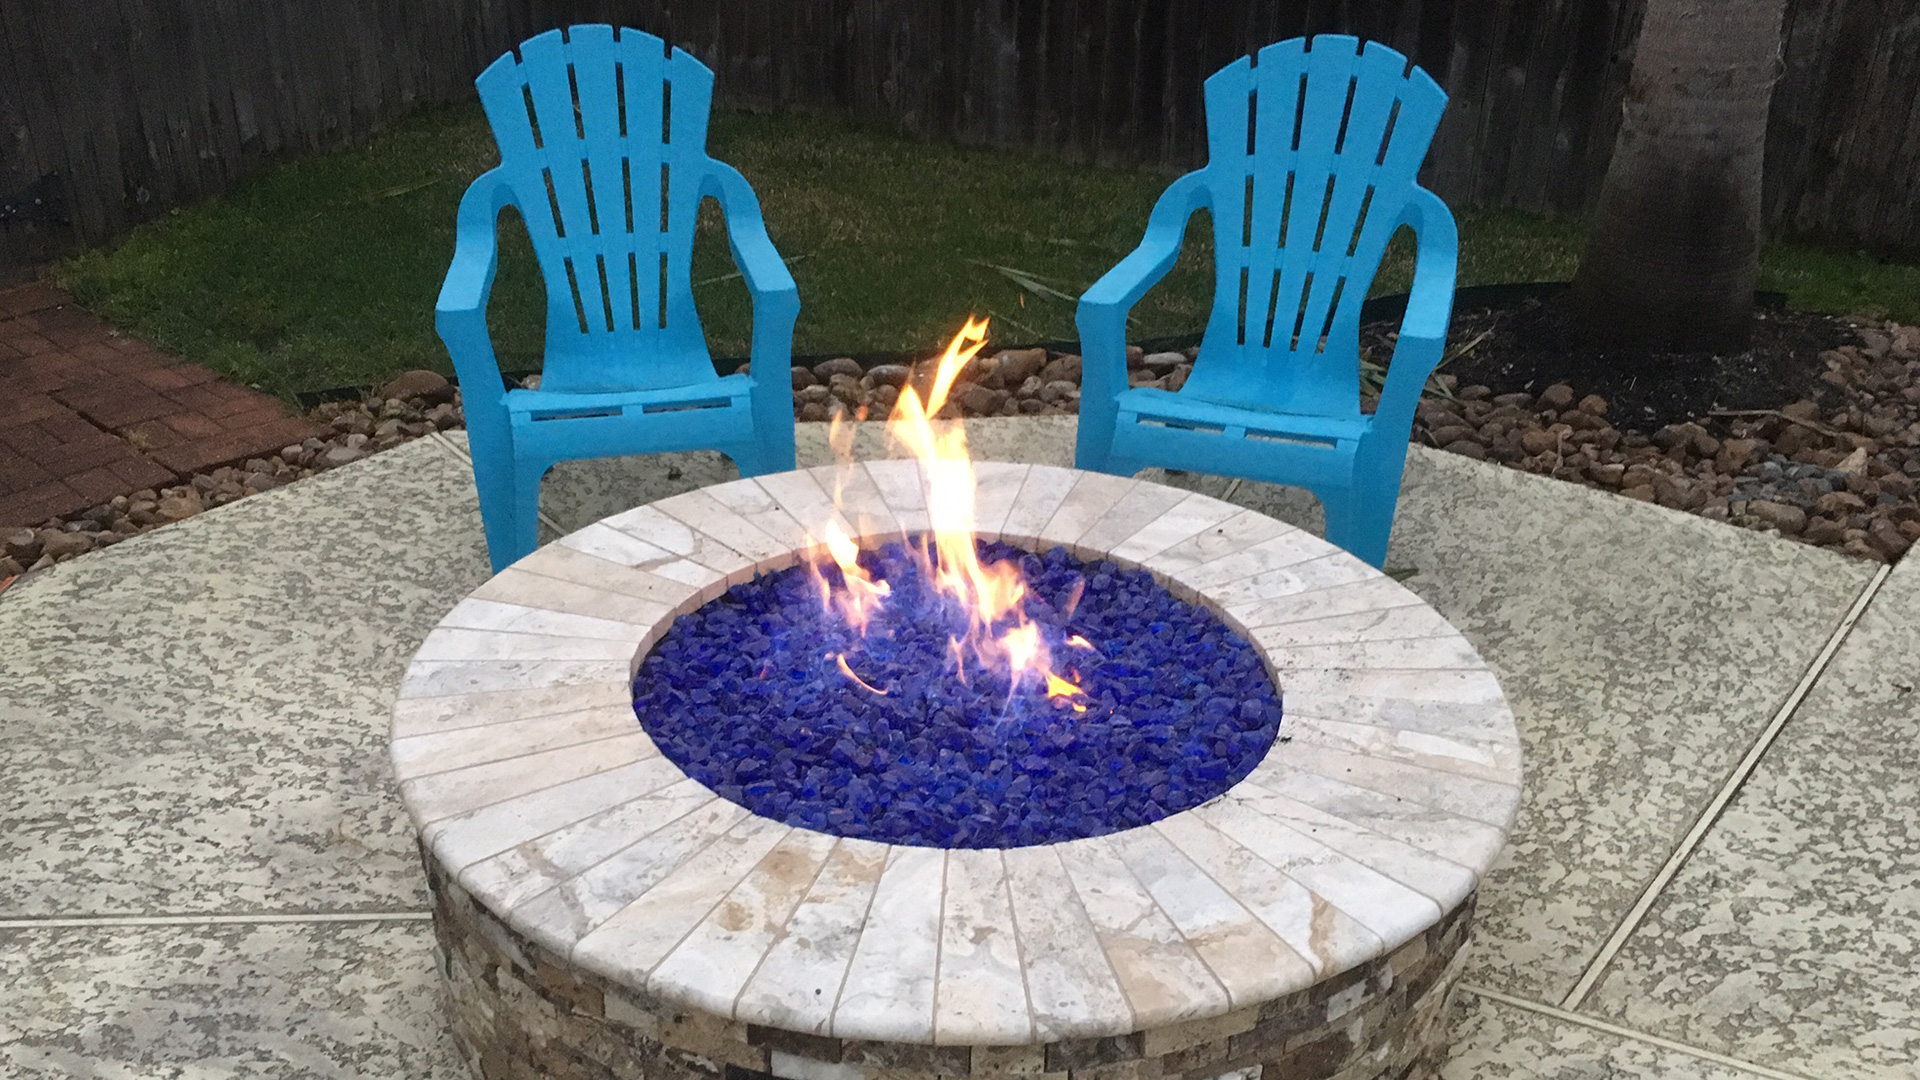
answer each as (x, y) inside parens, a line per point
(119, 109)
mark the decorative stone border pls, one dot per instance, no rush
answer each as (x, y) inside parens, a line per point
(581, 878)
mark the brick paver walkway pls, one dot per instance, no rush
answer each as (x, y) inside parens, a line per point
(87, 413)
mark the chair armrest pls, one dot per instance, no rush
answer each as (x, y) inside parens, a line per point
(460, 314)
(1124, 285)
(776, 299)
(1423, 329)
(1102, 314)
(753, 250)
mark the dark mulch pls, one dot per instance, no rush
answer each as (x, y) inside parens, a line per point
(1812, 432)
(1529, 345)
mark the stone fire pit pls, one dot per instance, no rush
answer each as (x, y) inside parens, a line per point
(600, 914)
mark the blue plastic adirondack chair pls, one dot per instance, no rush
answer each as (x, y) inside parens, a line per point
(1312, 156)
(603, 152)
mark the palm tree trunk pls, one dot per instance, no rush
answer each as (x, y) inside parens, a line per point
(1674, 247)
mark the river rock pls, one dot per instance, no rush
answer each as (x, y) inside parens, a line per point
(980, 401)
(1016, 366)
(1538, 441)
(1788, 519)
(1060, 391)
(24, 545)
(58, 544)
(342, 455)
(1062, 369)
(1887, 536)
(430, 386)
(1823, 531)
(1556, 397)
(180, 505)
(840, 365)
(894, 375)
(846, 388)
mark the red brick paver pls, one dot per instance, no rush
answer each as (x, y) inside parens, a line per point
(87, 414)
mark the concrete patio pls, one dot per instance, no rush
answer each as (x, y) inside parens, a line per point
(205, 870)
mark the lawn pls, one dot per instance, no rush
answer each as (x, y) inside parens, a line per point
(322, 272)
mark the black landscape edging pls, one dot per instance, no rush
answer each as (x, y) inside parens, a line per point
(1378, 309)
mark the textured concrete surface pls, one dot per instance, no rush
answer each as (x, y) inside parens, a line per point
(275, 1000)
(1793, 935)
(195, 732)
(195, 719)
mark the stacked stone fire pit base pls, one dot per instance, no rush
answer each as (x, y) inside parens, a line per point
(602, 914)
(519, 1011)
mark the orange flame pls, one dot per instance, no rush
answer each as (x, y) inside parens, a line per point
(1058, 687)
(991, 595)
(862, 594)
(841, 659)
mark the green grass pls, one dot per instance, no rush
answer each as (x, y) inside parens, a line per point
(1843, 282)
(323, 271)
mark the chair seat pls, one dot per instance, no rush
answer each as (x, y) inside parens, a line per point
(534, 406)
(553, 425)
(1148, 404)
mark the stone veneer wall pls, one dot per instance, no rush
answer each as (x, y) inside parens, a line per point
(519, 1012)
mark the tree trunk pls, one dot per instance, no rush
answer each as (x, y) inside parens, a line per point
(1674, 248)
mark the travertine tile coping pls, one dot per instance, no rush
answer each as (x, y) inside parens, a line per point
(533, 786)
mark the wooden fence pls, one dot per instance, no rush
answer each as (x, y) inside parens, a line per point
(112, 111)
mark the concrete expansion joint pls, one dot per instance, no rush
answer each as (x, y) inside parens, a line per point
(82, 922)
(1735, 780)
(1568, 1016)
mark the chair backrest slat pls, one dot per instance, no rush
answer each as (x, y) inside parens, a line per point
(1314, 147)
(596, 78)
(602, 137)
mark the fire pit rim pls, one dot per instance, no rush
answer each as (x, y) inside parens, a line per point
(496, 719)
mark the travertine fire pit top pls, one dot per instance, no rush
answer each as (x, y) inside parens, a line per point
(1390, 794)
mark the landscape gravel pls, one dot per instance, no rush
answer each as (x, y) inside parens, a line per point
(1839, 468)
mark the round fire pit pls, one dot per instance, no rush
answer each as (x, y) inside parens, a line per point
(602, 914)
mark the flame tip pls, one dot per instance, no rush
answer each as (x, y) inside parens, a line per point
(993, 595)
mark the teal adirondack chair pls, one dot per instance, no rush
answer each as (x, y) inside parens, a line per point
(1311, 163)
(602, 141)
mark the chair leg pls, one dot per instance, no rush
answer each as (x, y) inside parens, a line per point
(773, 448)
(1359, 523)
(509, 508)
(758, 459)
(1093, 455)
(1093, 438)
(1360, 518)
(1117, 466)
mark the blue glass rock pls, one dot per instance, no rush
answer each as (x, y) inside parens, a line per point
(746, 696)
